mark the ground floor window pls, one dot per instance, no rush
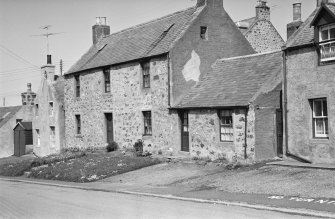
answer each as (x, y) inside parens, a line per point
(320, 118)
(226, 125)
(78, 125)
(38, 137)
(147, 123)
(52, 136)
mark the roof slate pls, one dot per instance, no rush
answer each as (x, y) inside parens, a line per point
(234, 81)
(6, 113)
(145, 40)
(305, 34)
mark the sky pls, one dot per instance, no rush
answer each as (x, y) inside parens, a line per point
(22, 53)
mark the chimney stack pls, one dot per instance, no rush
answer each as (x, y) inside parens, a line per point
(49, 61)
(262, 10)
(319, 2)
(211, 3)
(28, 87)
(296, 23)
(100, 29)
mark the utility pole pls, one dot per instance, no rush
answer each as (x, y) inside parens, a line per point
(61, 67)
(4, 101)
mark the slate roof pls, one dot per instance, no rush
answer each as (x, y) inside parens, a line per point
(250, 21)
(305, 34)
(145, 40)
(6, 113)
(234, 81)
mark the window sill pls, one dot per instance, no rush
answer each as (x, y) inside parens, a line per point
(146, 137)
(319, 140)
(107, 94)
(78, 136)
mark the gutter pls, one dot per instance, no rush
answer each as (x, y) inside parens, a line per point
(285, 110)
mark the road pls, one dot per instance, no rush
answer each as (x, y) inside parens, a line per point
(24, 200)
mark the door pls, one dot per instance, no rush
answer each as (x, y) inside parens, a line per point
(184, 132)
(19, 143)
(109, 127)
(279, 122)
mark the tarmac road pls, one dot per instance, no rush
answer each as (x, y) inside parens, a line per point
(24, 200)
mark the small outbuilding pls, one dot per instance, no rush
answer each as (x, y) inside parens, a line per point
(23, 135)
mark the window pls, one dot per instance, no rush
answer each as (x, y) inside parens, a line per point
(78, 125)
(226, 125)
(320, 118)
(77, 84)
(38, 137)
(327, 43)
(52, 136)
(146, 74)
(203, 33)
(51, 108)
(36, 112)
(147, 123)
(107, 80)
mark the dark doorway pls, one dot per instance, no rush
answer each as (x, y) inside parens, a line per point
(279, 124)
(23, 135)
(184, 132)
(109, 127)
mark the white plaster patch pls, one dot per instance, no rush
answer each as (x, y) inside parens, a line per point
(191, 70)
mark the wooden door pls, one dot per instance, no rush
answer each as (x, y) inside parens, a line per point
(19, 143)
(279, 124)
(184, 132)
(109, 127)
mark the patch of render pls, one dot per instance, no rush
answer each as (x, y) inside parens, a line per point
(191, 69)
(205, 136)
(127, 101)
(263, 37)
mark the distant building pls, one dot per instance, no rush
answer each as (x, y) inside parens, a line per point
(259, 30)
(10, 116)
(48, 122)
(126, 86)
(309, 87)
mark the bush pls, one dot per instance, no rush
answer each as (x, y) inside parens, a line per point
(113, 146)
(138, 146)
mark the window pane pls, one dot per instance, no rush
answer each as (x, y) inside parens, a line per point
(326, 126)
(324, 103)
(319, 126)
(324, 35)
(332, 33)
(317, 108)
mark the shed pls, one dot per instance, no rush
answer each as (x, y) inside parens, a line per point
(23, 135)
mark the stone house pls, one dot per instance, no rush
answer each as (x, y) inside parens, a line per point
(49, 115)
(10, 116)
(259, 30)
(309, 87)
(234, 112)
(127, 84)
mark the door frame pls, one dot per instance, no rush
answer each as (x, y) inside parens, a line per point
(181, 118)
(105, 129)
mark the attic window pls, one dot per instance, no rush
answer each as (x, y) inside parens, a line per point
(327, 33)
(327, 43)
(102, 47)
(203, 33)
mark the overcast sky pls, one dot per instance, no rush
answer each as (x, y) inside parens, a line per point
(22, 54)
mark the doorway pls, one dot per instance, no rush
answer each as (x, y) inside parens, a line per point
(280, 131)
(109, 127)
(185, 144)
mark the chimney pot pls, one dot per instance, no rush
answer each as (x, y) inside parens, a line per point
(320, 2)
(297, 12)
(49, 61)
(100, 29)
(29, 87)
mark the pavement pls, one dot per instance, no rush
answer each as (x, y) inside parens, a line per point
(306, 206)
(292, 163)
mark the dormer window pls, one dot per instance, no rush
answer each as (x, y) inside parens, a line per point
(203, 33)
(327, 43)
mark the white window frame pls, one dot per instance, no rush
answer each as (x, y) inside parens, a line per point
(226, 136)
(326, 27)
(323, 117)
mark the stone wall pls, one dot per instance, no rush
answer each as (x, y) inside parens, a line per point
(307, 80)
(126, 101)
(26, 113)
(204, 127)
(264, 37)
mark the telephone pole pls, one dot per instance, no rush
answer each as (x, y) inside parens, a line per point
(61, 67)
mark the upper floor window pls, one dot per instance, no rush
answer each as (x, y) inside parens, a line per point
(146, 74)
(226, 125)
(320, 118)
(107, 80)
(37, 109)
(327, 43)
(77, 85)
(203, 33)
(147, 123)
(51, 108)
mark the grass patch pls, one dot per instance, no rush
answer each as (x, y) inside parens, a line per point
(92, 167)
(15, 166)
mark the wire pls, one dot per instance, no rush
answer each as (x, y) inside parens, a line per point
(13, 54)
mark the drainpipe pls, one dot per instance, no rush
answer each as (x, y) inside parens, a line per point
(285, 110)
(246, 135)
(169, 80)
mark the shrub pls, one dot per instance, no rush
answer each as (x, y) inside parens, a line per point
(113, 146)
(138, 146)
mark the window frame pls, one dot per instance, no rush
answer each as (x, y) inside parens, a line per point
(204, 32)
(107, 80)
(147, 123)
(326, 47)
(77, 85)
(51, 108)
(323, 117)
(78, 124)
(224, 125)
(145, 68)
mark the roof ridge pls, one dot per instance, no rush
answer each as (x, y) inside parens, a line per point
(251, 55)
(149, 22)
